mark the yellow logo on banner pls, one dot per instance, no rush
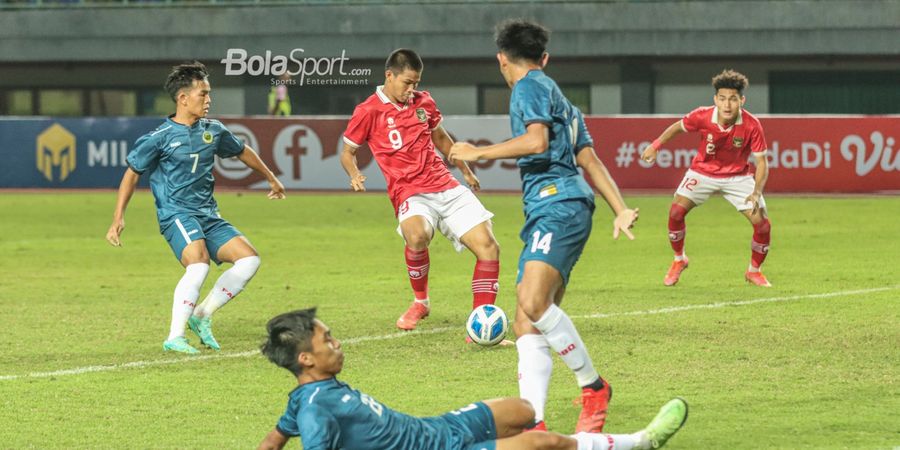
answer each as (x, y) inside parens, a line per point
(56, 148)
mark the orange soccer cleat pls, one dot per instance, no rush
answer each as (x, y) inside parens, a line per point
(674, 272)
(757, 278)
(540, 426)
(593, 409)
(416, 312)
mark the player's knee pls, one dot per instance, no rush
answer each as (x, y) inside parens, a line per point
(532, 307)
(248, 265)
(417, 240)
(523, 412)
(490, 250)
(763, 227)
(677, 212)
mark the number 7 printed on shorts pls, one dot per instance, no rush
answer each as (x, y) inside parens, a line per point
(541, 243)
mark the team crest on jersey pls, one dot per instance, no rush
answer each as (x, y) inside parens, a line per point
(737, 142)
(207, 137)
(420, 113)
(547, 191)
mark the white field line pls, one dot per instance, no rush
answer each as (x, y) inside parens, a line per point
(357, 340)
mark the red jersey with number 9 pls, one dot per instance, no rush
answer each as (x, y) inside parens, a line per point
(399, 137)
(724, 152)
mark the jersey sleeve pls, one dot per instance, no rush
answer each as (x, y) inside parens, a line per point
(229, 144)
(583, 137)
(288, 423)
(319, 429)
(758, 140)
(436, 118)
(692, 121)
(357, 132)
(145, 154)
(533, 102)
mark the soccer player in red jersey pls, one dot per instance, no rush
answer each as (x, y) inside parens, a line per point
(728, 135)
(403, 127)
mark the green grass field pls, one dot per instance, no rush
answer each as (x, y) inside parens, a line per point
(815, 364)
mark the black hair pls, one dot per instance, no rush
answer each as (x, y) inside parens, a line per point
(402, 59)
(183, 76)
(729, 79)
(289, 334)
(520, 39)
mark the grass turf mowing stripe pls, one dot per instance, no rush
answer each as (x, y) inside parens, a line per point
(360, 339)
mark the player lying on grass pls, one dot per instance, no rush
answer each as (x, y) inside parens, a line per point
(328, 414)
(179, 156)
(729, 134)
(402, 127)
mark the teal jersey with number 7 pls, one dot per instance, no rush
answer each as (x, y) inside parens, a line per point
(180, 162)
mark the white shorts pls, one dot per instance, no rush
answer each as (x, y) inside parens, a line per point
(697, 188)
(452, 212)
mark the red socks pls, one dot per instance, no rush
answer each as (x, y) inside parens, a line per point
(760, 244)
(484, 279)
(484, 283)
(677, 228)
(417, 263)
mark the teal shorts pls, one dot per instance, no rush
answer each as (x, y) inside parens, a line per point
(184, 228)
(469, 428)
(556, 234)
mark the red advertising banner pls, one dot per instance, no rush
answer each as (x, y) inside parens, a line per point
(806, 154)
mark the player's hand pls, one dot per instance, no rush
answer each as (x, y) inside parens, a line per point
(114, 232)
(753, 199)
(463, 151)
(624, 222)
(277, 192)
(649, 154)
(472, 181)
(357, 183)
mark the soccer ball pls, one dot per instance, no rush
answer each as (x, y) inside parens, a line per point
(487, 325)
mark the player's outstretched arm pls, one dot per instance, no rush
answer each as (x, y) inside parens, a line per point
(649, 154)
(348, 162)
(444, 142)
(761, 176)
(126, 190)
(249, 157)
(606, 186)
(273, 441)
(535, 140)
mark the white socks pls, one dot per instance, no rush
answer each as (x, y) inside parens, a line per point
(228, 286)
(535, 368)
(186, 293)
(562, 336)
(592, 441)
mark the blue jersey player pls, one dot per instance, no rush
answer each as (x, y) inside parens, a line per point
(550, 141)
(178, 156)
(330, 415)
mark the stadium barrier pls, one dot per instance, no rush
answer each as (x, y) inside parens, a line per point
(806, 154)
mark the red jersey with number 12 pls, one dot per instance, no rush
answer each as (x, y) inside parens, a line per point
(724, 152)
(399, 137)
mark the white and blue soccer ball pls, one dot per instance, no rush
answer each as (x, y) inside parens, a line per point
(487, 325)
